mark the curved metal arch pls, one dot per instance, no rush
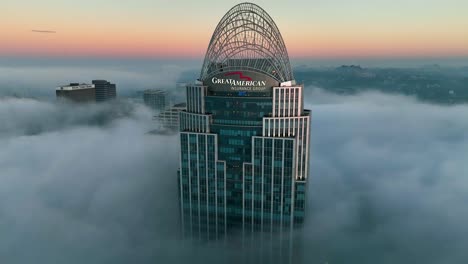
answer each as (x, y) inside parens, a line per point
(247, 38)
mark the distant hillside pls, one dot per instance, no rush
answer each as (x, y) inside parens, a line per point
(430, 83)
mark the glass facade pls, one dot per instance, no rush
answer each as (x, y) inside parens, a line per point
(104, 90)
(202, 187)
(243, 164)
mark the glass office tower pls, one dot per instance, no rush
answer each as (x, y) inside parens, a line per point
(104, 90)
(244, 159)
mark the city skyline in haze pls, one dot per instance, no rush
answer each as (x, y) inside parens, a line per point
(165, 29)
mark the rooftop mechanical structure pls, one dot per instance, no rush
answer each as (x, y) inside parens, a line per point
(247, 38)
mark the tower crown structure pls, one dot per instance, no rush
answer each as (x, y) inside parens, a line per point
(247, 39)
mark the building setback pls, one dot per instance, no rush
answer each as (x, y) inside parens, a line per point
(244, 138)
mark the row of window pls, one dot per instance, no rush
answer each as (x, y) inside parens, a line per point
(237, 132)
(237, 122)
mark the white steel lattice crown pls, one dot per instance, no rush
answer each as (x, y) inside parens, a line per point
(247, 38)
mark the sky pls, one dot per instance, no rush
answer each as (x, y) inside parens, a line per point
(182, 29)
(387, 184)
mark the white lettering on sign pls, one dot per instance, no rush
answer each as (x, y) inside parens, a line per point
(248, 88)
(238, 83)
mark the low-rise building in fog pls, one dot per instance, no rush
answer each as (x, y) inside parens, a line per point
(76, 92)
(169, 119)
(156, 99)
(97, 91)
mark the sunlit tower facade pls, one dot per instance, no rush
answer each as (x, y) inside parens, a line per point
(244, 138)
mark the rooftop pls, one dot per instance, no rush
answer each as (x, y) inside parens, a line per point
(154, 91)
(75, 86)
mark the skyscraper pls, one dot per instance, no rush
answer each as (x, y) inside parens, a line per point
(104, 90)
(244, 137)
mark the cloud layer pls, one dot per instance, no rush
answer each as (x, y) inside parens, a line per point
(388, 184)
(388, 180)
(85, 194)
(130, 76)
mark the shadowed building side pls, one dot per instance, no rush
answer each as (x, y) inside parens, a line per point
(104, 90)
